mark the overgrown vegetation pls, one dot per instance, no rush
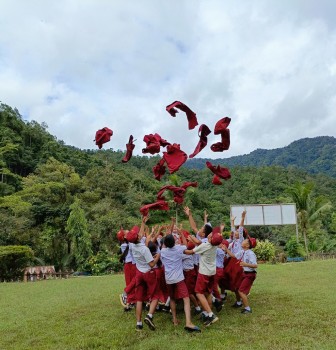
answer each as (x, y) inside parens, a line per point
(67, 204)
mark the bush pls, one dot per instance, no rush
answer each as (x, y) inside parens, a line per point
(13, 261)
(294, 249)
(103, 262)
(265, 250)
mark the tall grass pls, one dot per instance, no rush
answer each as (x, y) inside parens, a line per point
(293, 308)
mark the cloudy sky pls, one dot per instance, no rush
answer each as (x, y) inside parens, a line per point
(80, 65)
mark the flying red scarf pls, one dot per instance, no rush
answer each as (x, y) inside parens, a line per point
(220, 172)
(203, 132)
(191, 116)
(159, 205)
(159, 169)
(153, 143)
(129, 150)
(178, 192)
(221, 129)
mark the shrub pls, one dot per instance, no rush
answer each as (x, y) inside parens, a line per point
(293, 248)
(265, 250)
(103, 262)
(13, 261)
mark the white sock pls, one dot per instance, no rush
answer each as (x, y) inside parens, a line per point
(210, 314)
(197, 308)
(248, 308)
(222, 296)
(205, 313)
(168, 301)
(239, 302)
(150, 315)
(213, 299)
(139, 323)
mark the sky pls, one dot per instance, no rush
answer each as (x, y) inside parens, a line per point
(81, 65)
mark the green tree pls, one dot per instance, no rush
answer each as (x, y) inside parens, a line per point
(308, 207)
(77, 229)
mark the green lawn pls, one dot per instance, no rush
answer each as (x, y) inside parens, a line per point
(294, 307)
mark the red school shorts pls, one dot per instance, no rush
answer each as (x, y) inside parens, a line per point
(178, 290)
(246, 283)
(146, 286)
(190, 278)
(204, 284)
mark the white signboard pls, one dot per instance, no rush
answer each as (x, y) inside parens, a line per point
(265, 214)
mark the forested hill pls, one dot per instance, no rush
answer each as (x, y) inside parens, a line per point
(315, 155)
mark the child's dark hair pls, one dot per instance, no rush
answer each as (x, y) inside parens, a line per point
(169, 241)
(152, 247)
(207, 230)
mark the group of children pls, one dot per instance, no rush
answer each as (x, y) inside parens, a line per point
(170, 264)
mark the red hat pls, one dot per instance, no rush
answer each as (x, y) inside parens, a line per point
(174, 157)
(191, 116)
(203, 132)
(216, 230)
(129, 150)
(253, 242)
(121, 235)
(132, 234)
(190, 245)
(102, 136)
(216, 239)
(226, 243)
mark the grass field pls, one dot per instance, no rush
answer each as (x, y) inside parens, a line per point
(294, 307)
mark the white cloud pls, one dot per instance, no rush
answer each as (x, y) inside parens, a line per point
(82, 65)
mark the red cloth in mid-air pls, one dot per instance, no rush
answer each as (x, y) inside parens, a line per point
(221, 129)
(203, 132)
(221, 172)
(159, 169)
(129, 150)
(216, 180)
(159, 205)
(178, 192)
(174, 157)
(102, 136)
(153, 143)
(191, 116)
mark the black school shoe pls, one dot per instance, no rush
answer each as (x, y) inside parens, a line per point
(139, 327)
(245, 311)
(149, 322)
(218, 305)
(210, 320)
(236, 305)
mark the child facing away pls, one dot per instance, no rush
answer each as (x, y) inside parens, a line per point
(248, 260)
(145, 280)
(171, 256)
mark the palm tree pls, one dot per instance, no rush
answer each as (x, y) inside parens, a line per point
(308, 208)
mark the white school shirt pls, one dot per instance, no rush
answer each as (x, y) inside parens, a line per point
(129, 257)
(248, 257)
(207, 262)
(220, 258)
(188, 262)
(172, 262)
(142, 256)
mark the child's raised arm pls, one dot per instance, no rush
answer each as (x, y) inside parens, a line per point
(191, 219)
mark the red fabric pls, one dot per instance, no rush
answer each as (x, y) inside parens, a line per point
(146, 286)
(246, 283)
(222, 125)
(216, 239)
(162, 286)
(216, 180)
(218, 282)
(191, 116)
(178, 290)
(221, 128)
(129, 150)
(174, 157)
(159, 205)
(132, 234)
(186, 234)
(232, 274)
(159, 170)
(203, 132)
(204, 284)
(130, 271)
(221, 172)
(153, 143)
(178, 192)
(190, 280)
(102, 136)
